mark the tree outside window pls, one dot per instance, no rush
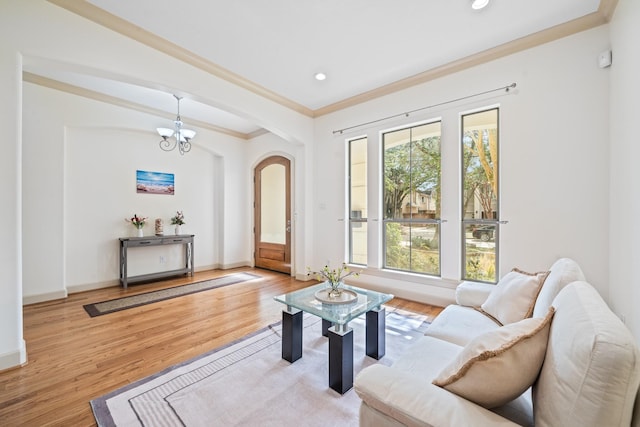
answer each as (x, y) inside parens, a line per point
(480, 195)
(411, 198)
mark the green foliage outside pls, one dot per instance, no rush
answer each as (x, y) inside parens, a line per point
(481, 266)
(411, 167)
(421, 257)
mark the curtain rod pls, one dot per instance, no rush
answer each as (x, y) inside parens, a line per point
(406, 114)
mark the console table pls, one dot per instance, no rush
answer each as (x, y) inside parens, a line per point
(138, 242)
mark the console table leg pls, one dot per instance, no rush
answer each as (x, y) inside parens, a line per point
(340, 359)
(123, 266)
(291, 335)
(376, 327)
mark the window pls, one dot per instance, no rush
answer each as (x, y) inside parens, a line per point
(358, 201)
(411, 198)
(480, 196)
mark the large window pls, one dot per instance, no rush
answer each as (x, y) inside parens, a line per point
(411, 198)
(358, 201)
(480, 196)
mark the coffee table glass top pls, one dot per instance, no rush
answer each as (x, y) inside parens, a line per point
(305, 300)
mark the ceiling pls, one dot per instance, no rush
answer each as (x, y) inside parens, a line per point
(367, 48)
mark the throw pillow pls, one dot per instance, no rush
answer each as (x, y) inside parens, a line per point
(514, 296)
(500, 365)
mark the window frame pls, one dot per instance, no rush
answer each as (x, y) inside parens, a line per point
(428, 221)
(480, 222)
(353, 220)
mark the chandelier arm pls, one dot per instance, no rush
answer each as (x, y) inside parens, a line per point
(167, 145)
(185, 147)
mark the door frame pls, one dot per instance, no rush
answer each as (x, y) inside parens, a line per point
(288, 252)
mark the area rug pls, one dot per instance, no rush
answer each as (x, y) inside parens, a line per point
(247, 383)
(106, 307)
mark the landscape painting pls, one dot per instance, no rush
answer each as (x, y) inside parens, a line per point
(154, 182)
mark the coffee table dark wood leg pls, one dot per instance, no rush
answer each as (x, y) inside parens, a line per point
(291, 335)
(340, 358)
(376, 327)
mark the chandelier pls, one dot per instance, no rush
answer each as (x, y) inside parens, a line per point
(181, 137)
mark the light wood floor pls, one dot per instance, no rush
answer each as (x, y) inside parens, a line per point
(73, 358)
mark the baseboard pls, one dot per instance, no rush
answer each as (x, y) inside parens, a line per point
(111, 283)
(48, 296)
(92, 286)
(207, 268)
(235, 265)
(15, 358)
(423, 293)
(304, 277)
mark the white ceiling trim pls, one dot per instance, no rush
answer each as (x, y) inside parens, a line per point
(98, 96)
(126, 28)
(563, 30)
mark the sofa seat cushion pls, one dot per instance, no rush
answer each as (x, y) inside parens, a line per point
(500, 365)
(591, 371)
(459, 325)
(405, 393)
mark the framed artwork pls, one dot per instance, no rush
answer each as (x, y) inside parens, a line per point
(154, 182)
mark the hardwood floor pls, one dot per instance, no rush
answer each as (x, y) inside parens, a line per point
(73, 358)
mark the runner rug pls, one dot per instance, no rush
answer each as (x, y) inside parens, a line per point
(105, 307)
(247, 383)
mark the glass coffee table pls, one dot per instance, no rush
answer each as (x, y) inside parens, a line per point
(335, 325)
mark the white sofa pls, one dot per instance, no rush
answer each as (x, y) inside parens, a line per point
(589, 376)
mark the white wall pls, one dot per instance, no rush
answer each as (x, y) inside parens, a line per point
(624, 282)
(41, 32)
(12, 346)
(553, 153)
(80, 166)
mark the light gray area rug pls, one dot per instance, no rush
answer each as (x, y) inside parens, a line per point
(247, 383)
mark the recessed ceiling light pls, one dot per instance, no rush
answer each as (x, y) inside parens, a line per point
(479, 4)
(320, 76)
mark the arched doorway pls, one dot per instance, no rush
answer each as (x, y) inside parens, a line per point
(272, 214)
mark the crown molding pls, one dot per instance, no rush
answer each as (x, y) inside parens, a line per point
(554, 33)
(606, 8)
(97, 96)
(126, 28)
(87, 10)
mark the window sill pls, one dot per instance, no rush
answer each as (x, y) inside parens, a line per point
(404, 277)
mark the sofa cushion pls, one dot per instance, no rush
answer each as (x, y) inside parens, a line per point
(561, 273)
(459, 325)
(404, 391)
(514, 296)
(591, 371)
(498, 366)
(473, 294)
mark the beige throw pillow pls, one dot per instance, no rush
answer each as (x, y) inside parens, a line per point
(498, 366)
(514, 296)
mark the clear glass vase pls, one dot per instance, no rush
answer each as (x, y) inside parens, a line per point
(335, 290)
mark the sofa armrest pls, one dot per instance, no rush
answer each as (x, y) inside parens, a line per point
(416, 402)
(473, 294)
